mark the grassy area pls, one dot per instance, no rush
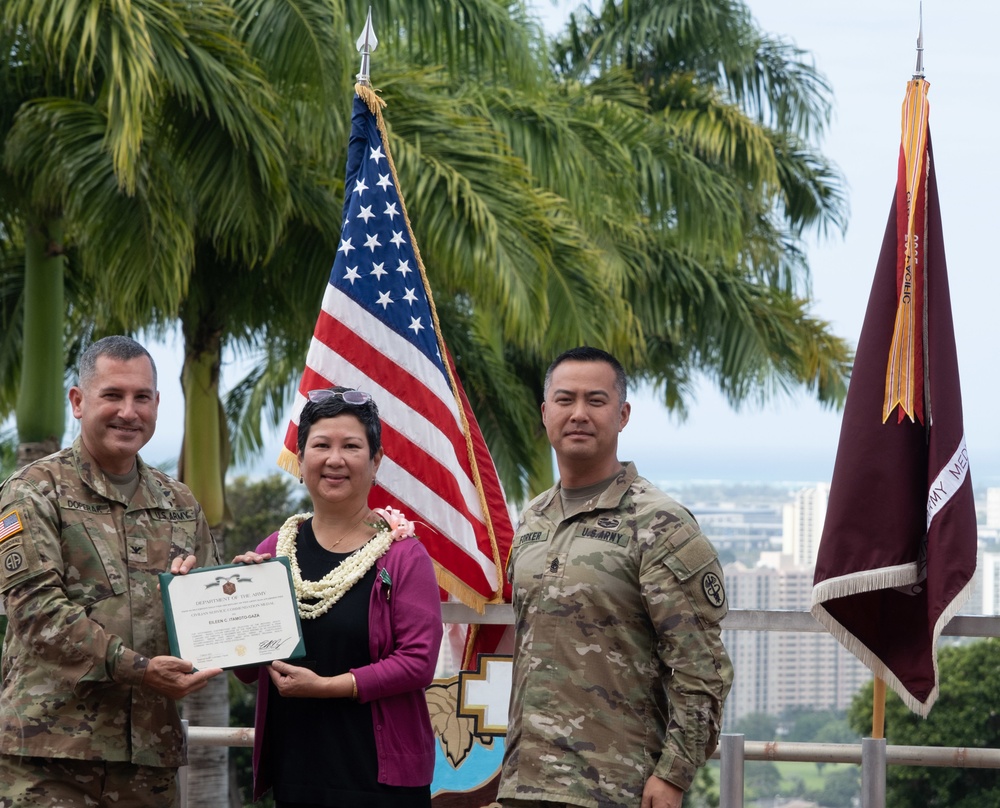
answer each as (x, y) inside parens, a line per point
(798, 779)
(807, 773)
(791, 773)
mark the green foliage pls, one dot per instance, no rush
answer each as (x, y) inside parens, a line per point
(242, 701)
(965, 715)
(837, 731)
(641, 182)
(260, 507)
(830, 785)
(761, 779)
(8, 453)
(647, 192)
(840, 788)
(704, 792)
(757, 727)
(818, 726)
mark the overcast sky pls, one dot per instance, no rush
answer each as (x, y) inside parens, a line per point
(866, 50)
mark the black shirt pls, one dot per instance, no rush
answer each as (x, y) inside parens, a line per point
(324, 749)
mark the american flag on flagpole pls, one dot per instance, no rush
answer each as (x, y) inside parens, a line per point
(377, 331)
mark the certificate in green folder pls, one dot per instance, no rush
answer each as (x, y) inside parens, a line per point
(233, 615)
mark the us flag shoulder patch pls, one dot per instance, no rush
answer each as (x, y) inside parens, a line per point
(11, 525)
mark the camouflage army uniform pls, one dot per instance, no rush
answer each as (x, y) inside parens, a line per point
(79, 582)
(619, 667)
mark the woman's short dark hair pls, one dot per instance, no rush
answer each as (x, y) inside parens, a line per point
(366, 413)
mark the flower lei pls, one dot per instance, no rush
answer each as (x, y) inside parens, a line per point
(332, 586)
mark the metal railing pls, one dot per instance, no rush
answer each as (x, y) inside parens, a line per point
(872, 755)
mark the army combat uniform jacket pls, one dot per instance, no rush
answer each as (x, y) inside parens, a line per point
(619, 667)
(78, 575)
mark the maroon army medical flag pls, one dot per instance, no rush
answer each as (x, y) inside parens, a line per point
(898, 550)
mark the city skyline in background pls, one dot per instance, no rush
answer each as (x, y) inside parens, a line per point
(768, 541)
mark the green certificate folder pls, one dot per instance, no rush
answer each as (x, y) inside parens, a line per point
(233, 615)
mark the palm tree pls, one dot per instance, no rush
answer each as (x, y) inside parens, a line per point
(132, 132)
(602, 152)
(648, 196)
(97, 118)
(677, 134)
(635, 194)
(501, 251)
(264, 294)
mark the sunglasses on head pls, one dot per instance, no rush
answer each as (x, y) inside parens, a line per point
(355, 398)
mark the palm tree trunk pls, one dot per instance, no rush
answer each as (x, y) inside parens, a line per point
(41, 399)
(203, 461)
(202, 468)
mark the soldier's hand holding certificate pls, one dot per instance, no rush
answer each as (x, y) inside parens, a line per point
(233, 615)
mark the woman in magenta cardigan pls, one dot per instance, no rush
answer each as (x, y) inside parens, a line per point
(347, 726)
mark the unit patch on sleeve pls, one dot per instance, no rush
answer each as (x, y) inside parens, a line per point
(711, 585)
(11, 525)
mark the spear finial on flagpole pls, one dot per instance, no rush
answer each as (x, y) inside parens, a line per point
(918, 71)
(367, 42)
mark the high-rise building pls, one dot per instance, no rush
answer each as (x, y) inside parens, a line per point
(988, 583)
(993, 508)
(802, 524)
(777, 670)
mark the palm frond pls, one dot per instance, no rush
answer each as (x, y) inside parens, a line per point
(469, 38)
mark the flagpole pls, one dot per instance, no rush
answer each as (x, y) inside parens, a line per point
(878, 692)
(366, 43)
(918, 70)
(878, 709)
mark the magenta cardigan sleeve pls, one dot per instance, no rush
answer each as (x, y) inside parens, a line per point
(405, 629)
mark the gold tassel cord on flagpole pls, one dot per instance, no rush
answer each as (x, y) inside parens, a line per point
(926, 381)
(901, 386)
(376, 104)
(468, 663)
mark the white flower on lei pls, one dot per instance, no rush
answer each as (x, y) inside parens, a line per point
(316, 597)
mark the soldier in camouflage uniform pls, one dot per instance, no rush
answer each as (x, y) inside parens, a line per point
(619, 668)
(87, 712)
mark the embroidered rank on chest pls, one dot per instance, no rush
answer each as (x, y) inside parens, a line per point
(136, 550)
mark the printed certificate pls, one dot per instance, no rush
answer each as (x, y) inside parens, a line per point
(233, 615)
